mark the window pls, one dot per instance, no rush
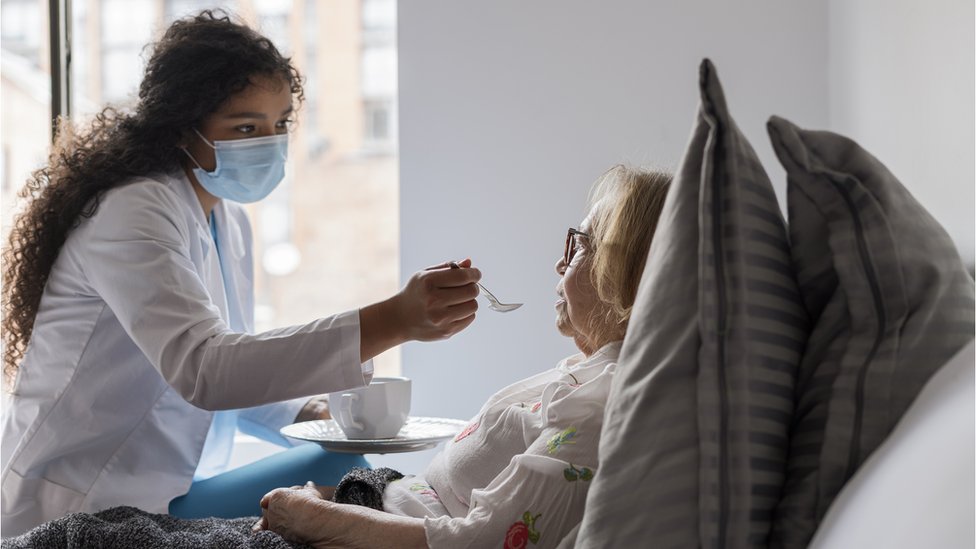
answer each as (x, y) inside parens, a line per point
(25, 124)
(379, 74)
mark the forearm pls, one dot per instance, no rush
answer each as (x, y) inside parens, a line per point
(301, 514)
(380, 530)
(229, 370)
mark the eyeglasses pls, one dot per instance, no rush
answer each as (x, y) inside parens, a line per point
(571, 244)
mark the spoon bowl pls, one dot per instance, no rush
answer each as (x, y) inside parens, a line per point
(493, 303)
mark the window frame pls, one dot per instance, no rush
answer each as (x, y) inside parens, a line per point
(59, 38)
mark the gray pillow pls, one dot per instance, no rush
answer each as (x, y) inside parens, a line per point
(694, 442)
(891, 301)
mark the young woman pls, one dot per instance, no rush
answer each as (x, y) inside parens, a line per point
(128, 308)
(520, 471)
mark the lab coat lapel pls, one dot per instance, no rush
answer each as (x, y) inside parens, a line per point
(233, 256)
(208, 262)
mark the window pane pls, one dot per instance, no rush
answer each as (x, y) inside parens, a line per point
(25, 112)
(126, 23)
(379, 72)
(379, 15)
(25, 122)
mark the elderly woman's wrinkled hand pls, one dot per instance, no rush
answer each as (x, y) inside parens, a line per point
(315, 408)
(298, 513)
(302, 514)
(325, 492)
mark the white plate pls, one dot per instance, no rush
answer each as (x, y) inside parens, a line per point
(419, 433)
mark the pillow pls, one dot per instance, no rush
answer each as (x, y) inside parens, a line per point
(891, 301)
(694, 442)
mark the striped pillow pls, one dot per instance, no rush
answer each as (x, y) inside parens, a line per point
(891, 302)
(694, 444)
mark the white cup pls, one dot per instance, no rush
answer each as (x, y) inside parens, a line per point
(377, 410)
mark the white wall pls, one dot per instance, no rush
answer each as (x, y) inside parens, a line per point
(510, 109)
(902, 85)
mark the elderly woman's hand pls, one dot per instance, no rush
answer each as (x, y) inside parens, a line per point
(301, 514)
(316, 408)
(297, 514)
(325, 492)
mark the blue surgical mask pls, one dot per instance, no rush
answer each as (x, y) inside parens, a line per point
(247, 169)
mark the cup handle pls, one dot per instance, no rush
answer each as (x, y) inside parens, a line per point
(345, 411)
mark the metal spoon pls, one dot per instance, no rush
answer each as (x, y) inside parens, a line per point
(493, 302)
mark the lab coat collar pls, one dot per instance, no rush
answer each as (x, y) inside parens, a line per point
(228, 231)
(229, 274)
(185, 189)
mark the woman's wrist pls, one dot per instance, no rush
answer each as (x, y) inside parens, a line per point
(381, 327)
(380, 530)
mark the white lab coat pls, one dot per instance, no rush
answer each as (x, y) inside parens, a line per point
(136, 343)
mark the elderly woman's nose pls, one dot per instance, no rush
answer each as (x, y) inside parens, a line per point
(561, 266)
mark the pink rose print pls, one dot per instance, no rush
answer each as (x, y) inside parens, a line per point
(522, 532)
(467, 431)
(517, 536)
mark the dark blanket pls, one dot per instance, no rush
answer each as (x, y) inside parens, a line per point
(128, 528)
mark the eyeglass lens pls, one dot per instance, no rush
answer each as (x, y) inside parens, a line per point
(570, 250)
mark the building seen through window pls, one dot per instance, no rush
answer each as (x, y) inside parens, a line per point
(326, 240)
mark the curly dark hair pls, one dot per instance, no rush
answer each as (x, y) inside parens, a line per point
(199, 63)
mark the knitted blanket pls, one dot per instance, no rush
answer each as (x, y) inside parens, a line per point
(128, 527)
(365, 486)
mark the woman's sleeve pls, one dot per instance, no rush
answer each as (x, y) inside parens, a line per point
(265, 421)
(135, 255)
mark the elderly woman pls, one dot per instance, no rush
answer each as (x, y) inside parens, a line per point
(520, 471)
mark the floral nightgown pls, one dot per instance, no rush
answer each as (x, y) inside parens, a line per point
(518, 475)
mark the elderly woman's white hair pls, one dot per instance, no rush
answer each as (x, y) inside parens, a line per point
(625, 205)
